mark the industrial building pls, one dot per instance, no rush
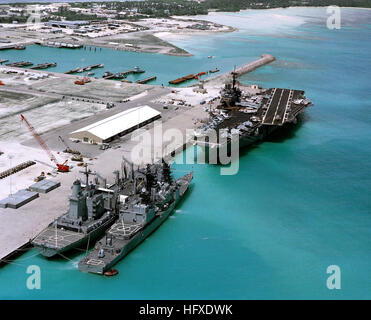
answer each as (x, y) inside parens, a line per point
(66, 24)
(116, 126)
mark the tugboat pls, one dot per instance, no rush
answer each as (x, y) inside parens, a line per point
(249, 114)
(148, 199)
(92, 211)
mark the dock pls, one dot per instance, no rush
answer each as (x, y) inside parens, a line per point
(28, 221)
(20, 64)
(44, 65)
(264, 59)
(143, 81)
(120, 75)
(84, 69)
(246, 68)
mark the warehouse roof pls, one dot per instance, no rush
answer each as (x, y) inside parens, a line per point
(120, 122)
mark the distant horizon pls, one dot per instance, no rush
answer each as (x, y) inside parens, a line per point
(50, 1)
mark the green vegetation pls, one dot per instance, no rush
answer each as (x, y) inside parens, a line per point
(134, 10)
(165, 8)
(72, 15)
(236, 5)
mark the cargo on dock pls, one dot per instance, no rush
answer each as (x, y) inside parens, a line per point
(44, 186)
(18, 199)
(17, 168)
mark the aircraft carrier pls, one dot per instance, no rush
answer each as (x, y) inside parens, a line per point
(148, 197)
(92, 210)
(248, 117)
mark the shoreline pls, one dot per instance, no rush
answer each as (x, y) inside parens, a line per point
(149, 41)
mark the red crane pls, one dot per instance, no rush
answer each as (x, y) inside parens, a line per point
(61, 167)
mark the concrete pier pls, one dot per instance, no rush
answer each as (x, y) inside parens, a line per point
(265, 59)
(251, 66)
(44, 65)
(20, 64)
(83, 69)
(143, 81)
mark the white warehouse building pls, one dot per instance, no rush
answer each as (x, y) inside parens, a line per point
(116, 126)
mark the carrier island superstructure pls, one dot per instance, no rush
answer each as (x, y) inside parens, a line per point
(248, 117)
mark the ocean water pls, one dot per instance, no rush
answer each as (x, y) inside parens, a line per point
(165, 68)
(299, 203)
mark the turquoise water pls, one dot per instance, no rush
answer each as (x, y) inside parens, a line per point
(299, 203)
(165, 68)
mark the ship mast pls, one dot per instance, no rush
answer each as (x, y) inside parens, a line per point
(86, 173)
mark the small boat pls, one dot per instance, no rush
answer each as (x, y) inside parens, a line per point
(91, 73)
(214, 70)
(210, 57)
(101, 65)
(111, 273)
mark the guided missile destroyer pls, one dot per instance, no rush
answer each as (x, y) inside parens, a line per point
(248, 116)
(146, 200)
(92, 210)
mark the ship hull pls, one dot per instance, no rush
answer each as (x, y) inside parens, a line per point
(220, 152)
(80, 239)
(127, 245)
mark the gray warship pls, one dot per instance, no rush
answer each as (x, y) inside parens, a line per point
(92, 210)
(249, 115)
(147, 197)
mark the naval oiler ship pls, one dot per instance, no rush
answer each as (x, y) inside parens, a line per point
(92, 210)
(146, 201)
(247, 116)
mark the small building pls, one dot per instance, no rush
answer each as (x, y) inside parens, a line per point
(118, 125)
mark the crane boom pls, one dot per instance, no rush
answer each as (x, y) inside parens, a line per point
(61, 167)
(64, 142)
